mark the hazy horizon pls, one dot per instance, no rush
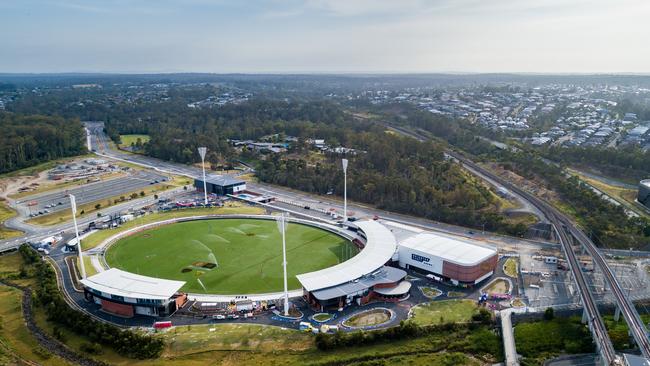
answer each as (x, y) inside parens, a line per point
(325, 37)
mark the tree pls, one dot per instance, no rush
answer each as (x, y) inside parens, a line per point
(98, 206)
(549, 314)
(141, 193)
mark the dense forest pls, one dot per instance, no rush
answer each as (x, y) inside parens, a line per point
(28, 140)
(398, 174)
(176, 133)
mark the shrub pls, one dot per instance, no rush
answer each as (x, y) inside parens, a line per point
(549, 314)
(92, 348)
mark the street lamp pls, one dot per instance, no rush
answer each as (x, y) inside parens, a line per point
(73, 207)
(345, 190)
(202, 151)
(282, 227)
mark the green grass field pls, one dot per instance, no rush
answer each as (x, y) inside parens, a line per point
(247, 254)
(5, 214)
(128, 139)
(437, 312)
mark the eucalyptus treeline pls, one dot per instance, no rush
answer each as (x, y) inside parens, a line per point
(28, 140)
(176, 131)
(398, 174)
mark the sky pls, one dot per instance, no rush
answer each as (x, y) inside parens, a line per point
(325, 36)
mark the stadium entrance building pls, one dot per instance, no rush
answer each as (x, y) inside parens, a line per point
(458, 261)
(361, 278)
(221, 185)
(126, 294)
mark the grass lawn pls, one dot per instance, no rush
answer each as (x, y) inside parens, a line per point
(5, 214)
(430, 292)
(456, 294)
(17, 346)
(90, 269)
(128, 139)
(510, 267)
(446, 311)
(228, 256)
(522, 218)
(368, 318)
(518, 303)
(497, 286)
(322, 317)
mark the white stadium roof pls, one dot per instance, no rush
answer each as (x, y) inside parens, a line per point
(380, 247)
(453, 250)
(120, 283)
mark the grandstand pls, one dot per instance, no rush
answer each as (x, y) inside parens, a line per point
(359, 278)
(128, 294)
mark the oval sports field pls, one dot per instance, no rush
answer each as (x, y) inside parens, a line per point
(228, 256)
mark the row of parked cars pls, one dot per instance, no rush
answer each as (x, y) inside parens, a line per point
(231, 316)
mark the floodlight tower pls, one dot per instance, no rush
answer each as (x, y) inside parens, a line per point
(282, 226)
(202, 151)
(73, 206)
(345, 190)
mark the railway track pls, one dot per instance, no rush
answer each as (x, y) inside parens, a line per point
(562, 224)
(559, 222)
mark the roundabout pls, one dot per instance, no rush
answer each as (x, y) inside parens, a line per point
(226, 256)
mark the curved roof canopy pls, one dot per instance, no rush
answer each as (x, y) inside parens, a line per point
(125, 284)
(380, 247)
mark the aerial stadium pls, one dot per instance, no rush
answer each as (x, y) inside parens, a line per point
(154, 268)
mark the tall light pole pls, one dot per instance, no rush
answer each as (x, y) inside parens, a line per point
(73, 206)
(202, 151)
(282, 226)
(345, 190)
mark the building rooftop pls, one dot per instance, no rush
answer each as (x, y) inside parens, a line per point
(223, 180)
(645, 182)
(380, 247)
(126, 284)
(454, 250)
(385, 274)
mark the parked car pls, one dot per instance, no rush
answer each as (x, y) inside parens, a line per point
(219, 317)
